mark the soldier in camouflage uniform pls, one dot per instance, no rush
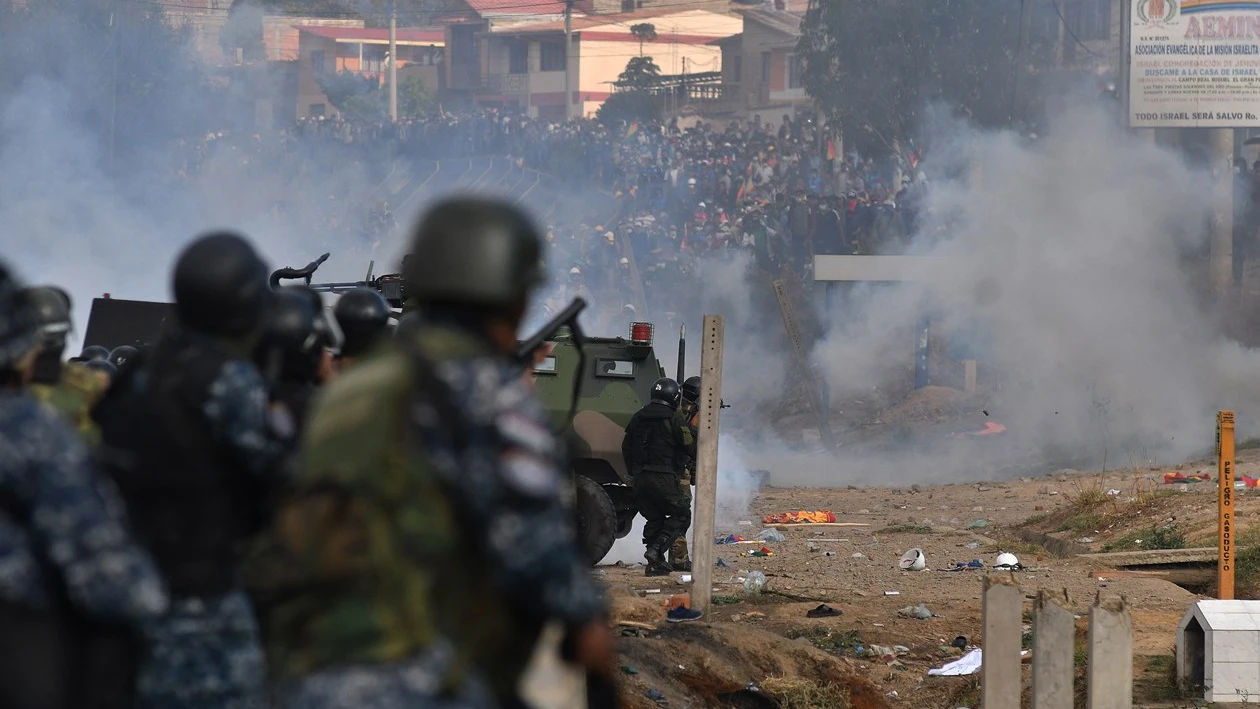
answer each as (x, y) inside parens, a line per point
(427, 532)
(65, 554)
(188, 437)
(657, 447)
(69, 388)
(689, 414)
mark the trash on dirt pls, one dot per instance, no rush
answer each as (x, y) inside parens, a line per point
(920, 611)
(892, 593)
(964, 566)
(1113, 492)
(728, 539)
(1039, 508)
(913, 560)
(802, 517)
(968, 664)
(654, 694)
(744, 523)
(771, 535)
(1007, 561)
(822, 611)
(831, 553)
(682, 614)
(960, 642)
(856, 555)
(811, 547)
(652, 590)
(754, 582)
(630, 669)
(722, 564)
(883, 652)
(761, 552)
(1178, 477)
(978, 524)
(1086, 540)
(973, 545)
(901, 649)
(685, 578)
(599, 574)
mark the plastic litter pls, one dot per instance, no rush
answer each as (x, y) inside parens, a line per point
(771, 535)
(892, 593)
(685, 578)
(754, 582)
(973, 545)
(858, 555)
(978, 524)
(968, 664)
(1113, 492)
(913, 560)
(722, 563)
(920, 611)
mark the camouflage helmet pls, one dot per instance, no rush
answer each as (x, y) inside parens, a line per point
(474, 251)
(18, 334)
(665, 391)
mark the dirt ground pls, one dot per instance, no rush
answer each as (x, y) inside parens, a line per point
(763, 645)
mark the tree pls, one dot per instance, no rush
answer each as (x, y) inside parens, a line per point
(641, 73)
(414, 98)
(645, 31)
(876, 65)
(344, 86)
(625, 107)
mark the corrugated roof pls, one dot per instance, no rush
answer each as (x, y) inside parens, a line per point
(487, 8)
(620, 23)
(409, 35)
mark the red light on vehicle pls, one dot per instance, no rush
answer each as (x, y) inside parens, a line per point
(641, 333)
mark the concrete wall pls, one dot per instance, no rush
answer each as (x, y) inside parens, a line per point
(280, 35)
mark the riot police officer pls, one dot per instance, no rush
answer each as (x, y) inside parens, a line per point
(120, 355)
(656, 449)
(71, 389)
(290, 352)
(323, 330)
(363, 316)
(435, 549)
(188, 438)
(92, 352)
(68, 562)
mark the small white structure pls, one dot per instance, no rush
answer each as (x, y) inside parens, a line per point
(1218, 649)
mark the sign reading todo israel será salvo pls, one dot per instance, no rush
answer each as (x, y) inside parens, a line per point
(1194, 64)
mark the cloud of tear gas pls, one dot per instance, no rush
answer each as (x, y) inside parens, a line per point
(1070, 262)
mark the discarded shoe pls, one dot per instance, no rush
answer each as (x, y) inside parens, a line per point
(822, 611)
(681, 614)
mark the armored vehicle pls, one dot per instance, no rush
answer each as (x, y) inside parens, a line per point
(615, 381)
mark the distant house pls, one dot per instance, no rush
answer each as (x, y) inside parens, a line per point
(328, 50)
(760, 67)
(518, 61)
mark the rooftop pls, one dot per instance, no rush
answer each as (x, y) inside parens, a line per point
(516, 7)
(377, 35)
(788, 23)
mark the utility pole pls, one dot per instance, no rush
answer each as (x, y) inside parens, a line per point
(568, 60)
(115, 19)
(393, 60)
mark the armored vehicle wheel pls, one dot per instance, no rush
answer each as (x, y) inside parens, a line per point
(596, 519)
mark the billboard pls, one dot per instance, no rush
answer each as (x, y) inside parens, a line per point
(1194, 63)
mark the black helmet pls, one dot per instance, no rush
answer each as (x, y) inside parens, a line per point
(363, 316)
(323, 330)
(120, 354)
(665, 391)
(51, 306)
(407, 324)
(102, 365)
(220, 285)
(290, 346)
(475, 251)
(93, 352)
(691, 390)
(18, 334)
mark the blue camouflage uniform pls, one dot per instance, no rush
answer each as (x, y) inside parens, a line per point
(480, 527)
(206, 652)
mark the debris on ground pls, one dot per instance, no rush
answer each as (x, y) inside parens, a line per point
(913, 560)
(822, 611)
(978, 524)
(771, 535)
(966, 665)
(921, 611)
(802, 517)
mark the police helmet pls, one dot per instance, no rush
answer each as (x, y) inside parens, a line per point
(475, 251)
(93, 352)
(323, 330)
(363, 316)
(120, 354)
(102, 365)
(220, 285)
(290, 344)
(407, 325)
(51, 307)
(691, 390)
(18, 335)
(665, 391)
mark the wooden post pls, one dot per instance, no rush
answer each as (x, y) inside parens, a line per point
(706, 462)
(1002, 612)
(969, 376)
(1221, 251)
(1225, 505)
(1054, 651)
(1110, 673)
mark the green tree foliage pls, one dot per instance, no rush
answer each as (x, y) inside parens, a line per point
(645, 32)
(344, 86)
(625, 107)
(414, 98)
(876, 65)
(640, 73)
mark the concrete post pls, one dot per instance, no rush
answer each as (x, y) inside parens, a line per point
(1110, 655)
(706, 462)
(999, 671)
(1054, 651)
(1221, 260)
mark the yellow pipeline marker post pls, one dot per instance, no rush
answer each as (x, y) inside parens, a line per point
(1225, 502)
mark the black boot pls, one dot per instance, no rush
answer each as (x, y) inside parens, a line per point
(655, 556)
